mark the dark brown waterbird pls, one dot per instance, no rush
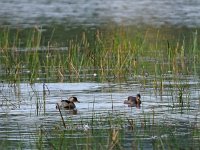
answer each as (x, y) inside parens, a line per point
(68, 104)
(133, 101)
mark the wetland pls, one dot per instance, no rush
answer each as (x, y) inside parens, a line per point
(101, 59)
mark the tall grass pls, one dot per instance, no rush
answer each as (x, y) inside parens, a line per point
(113, 54)
(107, 55)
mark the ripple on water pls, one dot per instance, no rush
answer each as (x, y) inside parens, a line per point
(99, 102)
(26, 12)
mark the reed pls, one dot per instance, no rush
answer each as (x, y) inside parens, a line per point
(160, 135)
(110, 131)
(119, 55)
(115, 54)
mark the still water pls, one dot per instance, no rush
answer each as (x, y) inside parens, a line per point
(94, 12)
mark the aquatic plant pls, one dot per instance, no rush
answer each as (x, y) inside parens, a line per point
(113, 54)
(111, 135)
(150, 57)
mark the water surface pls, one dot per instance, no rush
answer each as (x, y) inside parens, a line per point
(22, 119)
(95, 12)
(170, 96)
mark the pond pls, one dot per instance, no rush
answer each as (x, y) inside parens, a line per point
(101, 52)
(101, 72)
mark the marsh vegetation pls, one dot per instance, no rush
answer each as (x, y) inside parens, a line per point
(102, 67)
